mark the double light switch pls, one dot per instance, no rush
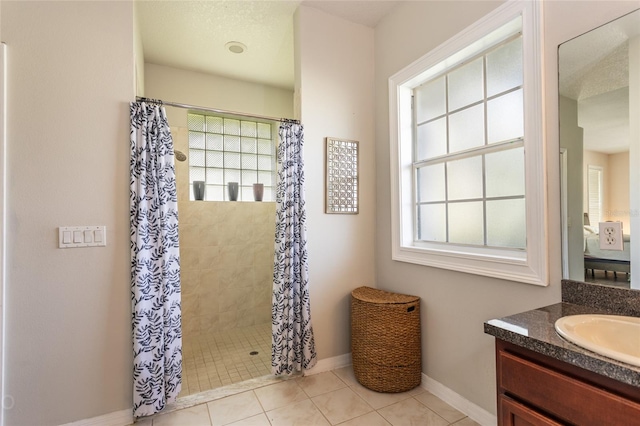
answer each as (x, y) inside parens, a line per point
(82, 236)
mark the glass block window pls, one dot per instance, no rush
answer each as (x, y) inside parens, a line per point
(468, 158)
(225, 149)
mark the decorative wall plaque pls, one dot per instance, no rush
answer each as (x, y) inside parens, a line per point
(342, 176)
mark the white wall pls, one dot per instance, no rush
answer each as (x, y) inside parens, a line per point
(455, 350)
(571, 139)
(68, 311)
(334, 68)
(138, 54)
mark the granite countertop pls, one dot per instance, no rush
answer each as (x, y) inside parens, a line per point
(535, 330)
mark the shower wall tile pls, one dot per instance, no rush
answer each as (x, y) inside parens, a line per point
(226, 265)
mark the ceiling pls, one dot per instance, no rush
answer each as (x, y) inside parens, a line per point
(594, 70)
(192, 34)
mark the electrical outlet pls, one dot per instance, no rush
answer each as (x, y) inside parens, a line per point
(611, 236)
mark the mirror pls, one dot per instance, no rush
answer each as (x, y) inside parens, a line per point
(600, 153)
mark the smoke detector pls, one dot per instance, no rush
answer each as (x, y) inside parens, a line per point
(235, 47)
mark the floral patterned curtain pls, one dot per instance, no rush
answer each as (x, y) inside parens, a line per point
(293, 346)
(155, 262)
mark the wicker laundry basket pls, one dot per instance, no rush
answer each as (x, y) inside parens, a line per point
(385, 340)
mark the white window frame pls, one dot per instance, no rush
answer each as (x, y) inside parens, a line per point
(593, 218)
(527, 266)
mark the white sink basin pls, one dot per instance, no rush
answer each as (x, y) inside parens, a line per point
(613, 336)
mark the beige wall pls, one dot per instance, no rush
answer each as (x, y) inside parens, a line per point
(200, 89)
(455, 351)
(138, 54)
(618, 207)
(334, 68)
(68, 311)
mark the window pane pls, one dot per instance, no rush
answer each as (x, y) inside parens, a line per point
(432, 139)
(430, 100)
(215, 176)
(466, 223)
(231, 126)
(506, 224)
(231, 143)
(466, 129)
(195, 122)
(431, 183)
(505, 117)
(268, 194)
(249, 161)
(196, 173)
(196, 157)
(249, 177)
(264, 131)
(504, 67)
(264, 146)
(231, 176)
(231, 160)
(464, 178)
(215, 193)
(248, 128)
(466, 85)
(215, 159)
(504, 173)
(246, 193)
(214, 124)
(229, 149)
(266, 178)
(594, 193)
(248, 145)
(265, 162)
(214, 142)
(432, 222)
(196, 140)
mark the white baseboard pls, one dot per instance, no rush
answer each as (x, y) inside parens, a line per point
(457, 401)
(329, 364)
(117, 418)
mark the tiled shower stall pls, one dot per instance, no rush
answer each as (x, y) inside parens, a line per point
(226, 251)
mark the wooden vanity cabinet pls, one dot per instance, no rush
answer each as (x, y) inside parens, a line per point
(537, 390)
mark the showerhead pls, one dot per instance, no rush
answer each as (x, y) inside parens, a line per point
(180, 156)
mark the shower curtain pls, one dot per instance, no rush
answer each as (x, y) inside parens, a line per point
(155, 262)
(293, 346)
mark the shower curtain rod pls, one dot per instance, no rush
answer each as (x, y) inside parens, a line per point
(217, 111)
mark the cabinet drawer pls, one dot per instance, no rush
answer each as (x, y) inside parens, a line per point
(566, 398)
(512, 413)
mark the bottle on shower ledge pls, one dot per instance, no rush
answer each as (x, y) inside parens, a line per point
(198, 190)
(258, 191)
(233, 191)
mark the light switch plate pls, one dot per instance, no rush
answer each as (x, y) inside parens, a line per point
(90, 236)
(611, 236)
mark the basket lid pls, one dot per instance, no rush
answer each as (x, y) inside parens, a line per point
(374, 295)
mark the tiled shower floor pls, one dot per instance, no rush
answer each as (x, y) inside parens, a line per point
(219, 359)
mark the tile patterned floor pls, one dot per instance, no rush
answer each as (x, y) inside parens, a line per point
(331, 398)
(220, 359)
